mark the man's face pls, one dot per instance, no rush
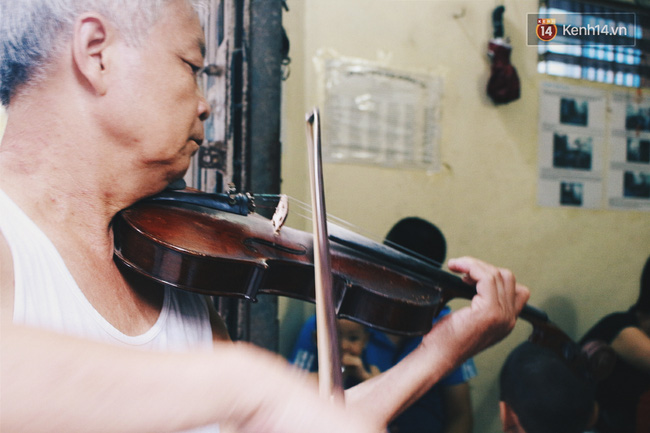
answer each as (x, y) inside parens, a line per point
(158, 108)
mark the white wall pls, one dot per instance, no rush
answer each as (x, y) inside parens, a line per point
(579, 264)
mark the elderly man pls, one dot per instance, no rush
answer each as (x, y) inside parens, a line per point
(104, 110)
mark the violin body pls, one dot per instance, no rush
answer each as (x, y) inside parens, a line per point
(218, 253)
(204, 249)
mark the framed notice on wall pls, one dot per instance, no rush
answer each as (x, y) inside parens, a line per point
(376, 115)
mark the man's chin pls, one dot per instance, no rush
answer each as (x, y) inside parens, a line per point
(176, 176)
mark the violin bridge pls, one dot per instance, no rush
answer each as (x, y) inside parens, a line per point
(280, 214)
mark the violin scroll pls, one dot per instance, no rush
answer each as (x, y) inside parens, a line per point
(593, 361)
(600, 357)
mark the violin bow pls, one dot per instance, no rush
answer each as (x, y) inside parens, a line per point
(330, 377)
(596, 360)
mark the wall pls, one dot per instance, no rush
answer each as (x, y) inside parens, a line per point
(579, 264)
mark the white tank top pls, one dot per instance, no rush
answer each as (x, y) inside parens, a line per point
(47, 296)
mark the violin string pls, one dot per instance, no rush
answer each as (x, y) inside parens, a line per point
(304, 210)
(297, 207)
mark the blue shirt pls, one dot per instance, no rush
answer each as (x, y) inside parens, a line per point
(427, 415)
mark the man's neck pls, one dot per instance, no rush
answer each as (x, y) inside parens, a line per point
(58, 176)
(73, 203)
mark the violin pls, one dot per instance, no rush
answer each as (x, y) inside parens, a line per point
(216, 244)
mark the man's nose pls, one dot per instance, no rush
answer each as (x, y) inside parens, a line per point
(203, 108)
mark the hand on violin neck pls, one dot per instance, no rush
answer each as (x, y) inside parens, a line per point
(457, 336)
(493, 311)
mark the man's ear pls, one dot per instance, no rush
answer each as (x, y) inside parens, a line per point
(92, 34)
(509, 419)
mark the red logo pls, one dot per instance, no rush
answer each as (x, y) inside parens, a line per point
(546, 29)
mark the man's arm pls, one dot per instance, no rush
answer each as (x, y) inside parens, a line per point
(55, 383)
(490, 316)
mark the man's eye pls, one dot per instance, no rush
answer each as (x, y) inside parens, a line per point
(195, 69)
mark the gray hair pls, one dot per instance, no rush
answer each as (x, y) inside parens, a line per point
(33, 32)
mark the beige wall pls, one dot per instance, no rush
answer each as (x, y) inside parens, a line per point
(580, 264)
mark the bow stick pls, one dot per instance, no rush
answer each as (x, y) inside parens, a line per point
(330, 378)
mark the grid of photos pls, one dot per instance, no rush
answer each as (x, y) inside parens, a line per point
(594, 148)
(629, 183)
(571, 146)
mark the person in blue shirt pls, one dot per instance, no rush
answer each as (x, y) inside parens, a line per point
(446, 407)
(353, 340)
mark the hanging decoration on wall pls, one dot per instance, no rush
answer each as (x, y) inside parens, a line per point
(503, 86)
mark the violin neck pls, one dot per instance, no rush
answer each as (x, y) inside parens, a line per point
(409, 263)
(451, 286)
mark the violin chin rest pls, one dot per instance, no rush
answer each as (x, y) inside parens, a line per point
(601, 359)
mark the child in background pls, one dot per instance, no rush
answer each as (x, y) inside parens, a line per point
(353, 339)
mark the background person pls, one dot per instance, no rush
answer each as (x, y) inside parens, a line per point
(539, 393)
(628, 333)
(446, 407)
(353, 338)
